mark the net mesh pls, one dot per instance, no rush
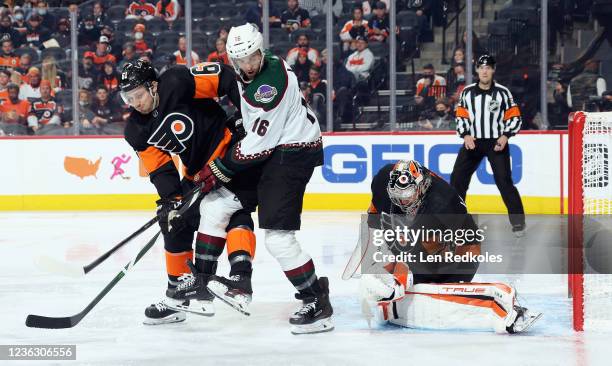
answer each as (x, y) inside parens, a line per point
(597, 200)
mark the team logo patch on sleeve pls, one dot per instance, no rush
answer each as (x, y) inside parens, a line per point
(265, 93)
(175, 129)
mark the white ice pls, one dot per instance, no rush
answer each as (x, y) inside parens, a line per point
(113, 333)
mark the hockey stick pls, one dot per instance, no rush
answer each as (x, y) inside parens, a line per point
(39, 321)
(53, 265)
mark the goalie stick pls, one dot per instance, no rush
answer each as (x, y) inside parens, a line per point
(39, 321)
(55, 266)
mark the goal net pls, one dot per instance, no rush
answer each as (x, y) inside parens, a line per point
(590, 207)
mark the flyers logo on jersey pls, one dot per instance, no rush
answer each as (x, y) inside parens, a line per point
(175, 129)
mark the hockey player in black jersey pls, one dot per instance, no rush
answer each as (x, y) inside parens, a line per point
(176, 114)
(422, 294)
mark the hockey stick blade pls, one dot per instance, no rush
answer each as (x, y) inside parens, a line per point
(40, 321)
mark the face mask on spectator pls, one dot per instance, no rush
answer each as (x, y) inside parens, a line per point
(19, 16)
(83, 103)
(138, 35)
(42, 11)
(89, 26)
(460, 77)
(441, 113)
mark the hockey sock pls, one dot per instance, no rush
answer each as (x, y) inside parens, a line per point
(176, 265)
(208, 250)
(304, 278)
(241, 250)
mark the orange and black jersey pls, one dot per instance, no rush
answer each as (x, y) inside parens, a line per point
(442, 208)
(44, 111)
(187, 123)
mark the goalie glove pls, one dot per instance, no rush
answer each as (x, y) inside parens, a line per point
(380, 287)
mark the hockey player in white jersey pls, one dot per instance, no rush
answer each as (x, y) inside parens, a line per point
(429, 295)
(284, 139)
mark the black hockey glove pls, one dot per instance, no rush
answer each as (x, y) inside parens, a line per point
(167, 213)
(236, 126)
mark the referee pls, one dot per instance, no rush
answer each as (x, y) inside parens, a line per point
(486, 118)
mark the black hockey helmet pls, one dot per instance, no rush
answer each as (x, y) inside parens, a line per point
(408, 183)
(485, 60)
(135, 74)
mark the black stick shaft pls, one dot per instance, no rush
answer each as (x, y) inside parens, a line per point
(39, 321)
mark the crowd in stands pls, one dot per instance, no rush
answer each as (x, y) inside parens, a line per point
(36, 77)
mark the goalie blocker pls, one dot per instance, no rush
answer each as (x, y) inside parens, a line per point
(433, 297)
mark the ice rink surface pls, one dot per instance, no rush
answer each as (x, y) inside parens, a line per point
(113, 333)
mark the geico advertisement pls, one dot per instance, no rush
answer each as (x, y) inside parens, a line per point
(352, 160)
(109, 165)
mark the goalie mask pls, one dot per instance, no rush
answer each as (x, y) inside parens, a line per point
(408, 183)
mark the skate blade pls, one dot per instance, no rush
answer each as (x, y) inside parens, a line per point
(239, 302)
(198, 307)
(320, 326)
(528, 323)
(174, 318)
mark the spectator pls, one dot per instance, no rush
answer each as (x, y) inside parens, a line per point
(129, 55)
(458, 57)
(44, 110)
(140, 45)
(141, 10)
(88, 74)
(99, 15)
(102, 54)
(5, 79)
(62, 35)
(254, 15)
(115, 44)
(353, 29)
(220, 55)
(168, 10)
(477, 48)
(86, 116)
(302, 67)
(431, 85)
(48, 20)
(8, 59)
(104, 109)
(458, 82)
(294, 17)
(36, 35)
(558, 111)
(303, 44)
(19, 23)
(440, 119)
(8, 32)
(379, 23)
(318, 93)
(31, 89)
(361, 61)
(14, 110)
(25, 62)
(181, 53)
(89, 34)
(584, 85)
(52, 74)
(109, 78)
(344, 82)
(369, 7)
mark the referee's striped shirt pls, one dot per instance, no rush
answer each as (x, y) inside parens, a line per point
(487, 114)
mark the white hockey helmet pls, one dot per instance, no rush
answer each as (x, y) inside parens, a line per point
(242, 42)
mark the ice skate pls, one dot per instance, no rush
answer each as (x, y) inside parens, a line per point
(314, 316)
(235, 291)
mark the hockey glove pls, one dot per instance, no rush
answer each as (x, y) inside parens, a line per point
(168, 217)
(212, 176)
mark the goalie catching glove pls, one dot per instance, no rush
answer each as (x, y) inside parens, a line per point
(212, 176)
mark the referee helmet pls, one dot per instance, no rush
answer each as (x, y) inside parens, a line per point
(485, 60)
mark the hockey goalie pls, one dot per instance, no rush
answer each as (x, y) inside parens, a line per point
(401, 278)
